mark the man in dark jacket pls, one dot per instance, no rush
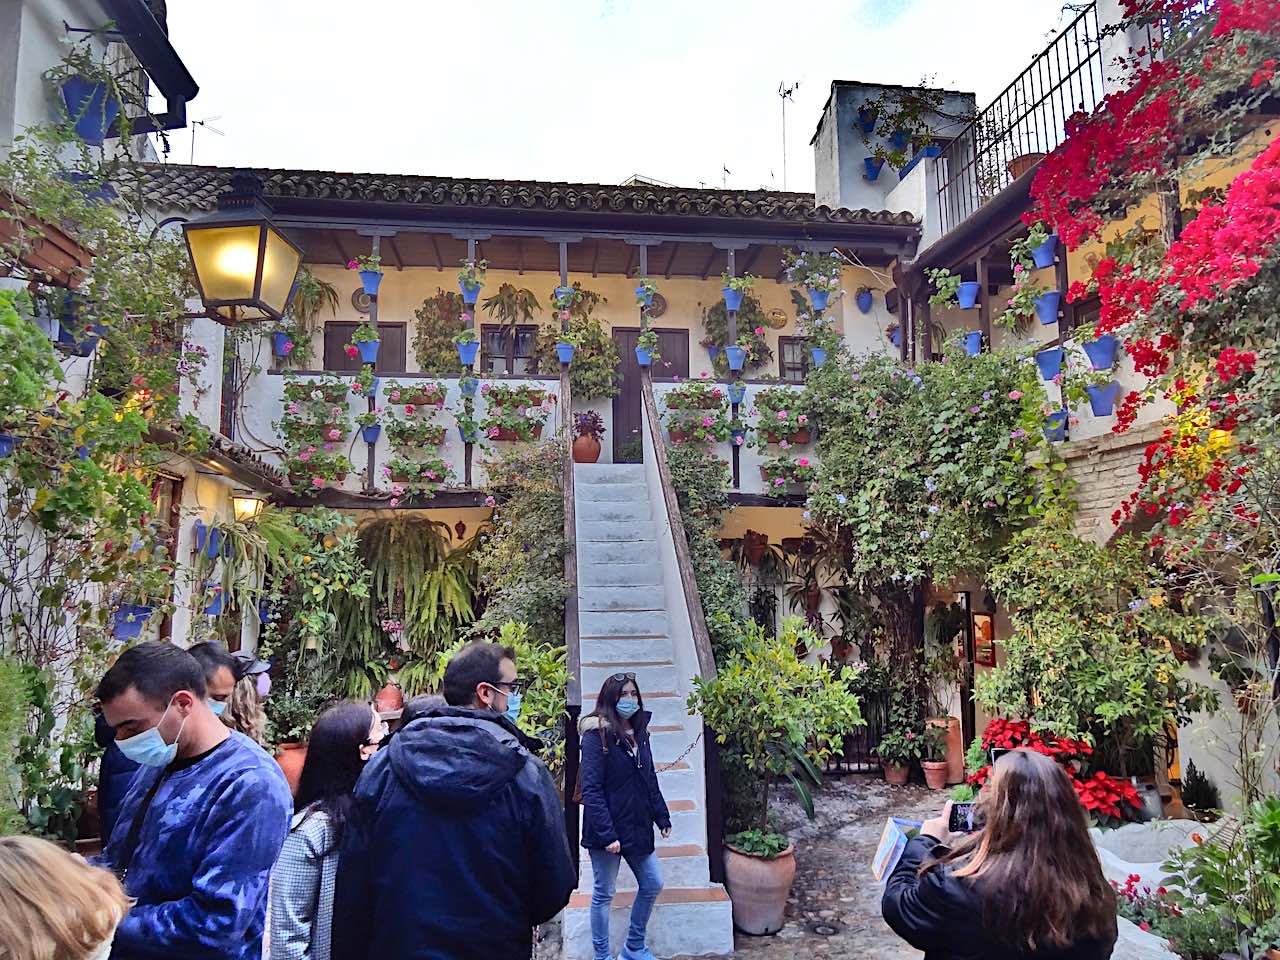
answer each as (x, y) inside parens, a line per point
(455, 848)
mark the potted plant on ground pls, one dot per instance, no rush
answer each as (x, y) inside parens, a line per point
(934, 760)
(783, 716)
(370, 268)
(366, 342)
(897, 750)
(588, 430)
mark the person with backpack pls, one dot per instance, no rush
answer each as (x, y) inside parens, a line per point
(622, 803)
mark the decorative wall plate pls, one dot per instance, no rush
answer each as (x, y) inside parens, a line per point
(777, 319)
(658, 307)
(361, 300)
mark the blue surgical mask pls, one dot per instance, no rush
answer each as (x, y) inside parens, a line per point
(512, 712)
(217, 706)
(627, 708)
(148, 747)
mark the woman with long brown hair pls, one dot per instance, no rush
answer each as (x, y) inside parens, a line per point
(1027, 884)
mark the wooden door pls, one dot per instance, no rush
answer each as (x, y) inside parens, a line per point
(392, 355)
(673, 344)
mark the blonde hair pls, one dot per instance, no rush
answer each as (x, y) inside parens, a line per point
(244, 710)
(56, 906)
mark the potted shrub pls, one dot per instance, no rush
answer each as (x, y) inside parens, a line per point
(366, 342)
(818, 273)
(468, 345)
(588, 430)
(415, 434)
(691, 425)
(735, 288)
(645, 290)
(370, 268)
(934, 762)
(647, 348)
(783, 475)
(736, 353)
(700, 394)
(783, 716)
(370, 428)
(897, 750)
(470, 280)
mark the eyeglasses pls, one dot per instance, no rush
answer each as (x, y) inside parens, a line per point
(623, 677)
(512, 686)
(384, 731)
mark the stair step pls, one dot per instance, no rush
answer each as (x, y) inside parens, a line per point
(683, 865)
(615, 492)
(687, 921)
(623, 552)
(623, 623)
(707, 894)
(644, 597)
(613, 510)
(611, 649)
(649, 676)
(602, 473)
(592, 573)
(605, 531)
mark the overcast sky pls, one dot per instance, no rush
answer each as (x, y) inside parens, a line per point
(576, 90)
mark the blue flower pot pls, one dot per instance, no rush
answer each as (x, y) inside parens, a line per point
(973, 342)
(819, 356)
(281, 343)
(968, 294)
(734, 434)
(1102, 352)
(1055, 426)
(467, 437)
(129, 619)
(873, 166)
(713, 351)
(737, 393)
(469, 386)
(819, 298)
(1043, 255)
(82, 452)
(91, 189)
(1047, 307)
(7, 443)
(1102, 400)
(732, 298)
(1049, 362)
(368, 350)
(643, 357)
(565, 352)
(208, 540)
(898, 140)
(864, 300)
(370, 434)
(214, 608)
(867, 117)
(643, 297)
(371, 280)
(564, 293)
(469, 294)
(736, 356)
(91, 107)
(896, 339)
(264, 611)
(467, 352)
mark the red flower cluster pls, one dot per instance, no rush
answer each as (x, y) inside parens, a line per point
(1002, 734)
(1233, 363)
(1108, 796)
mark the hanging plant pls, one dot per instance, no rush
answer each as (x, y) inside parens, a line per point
(594, 373)
(752, 325)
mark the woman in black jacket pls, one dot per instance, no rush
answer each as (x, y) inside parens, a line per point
(621, 804)
(1026, 885)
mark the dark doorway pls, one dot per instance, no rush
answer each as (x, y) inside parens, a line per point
(627, 413)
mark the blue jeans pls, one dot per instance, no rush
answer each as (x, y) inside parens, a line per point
(604, 871)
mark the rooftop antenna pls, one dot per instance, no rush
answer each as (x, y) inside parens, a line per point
(206, 123)
(724, 176)
(784, 93)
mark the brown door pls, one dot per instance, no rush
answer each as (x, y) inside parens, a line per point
(627, 410)
(391, 355)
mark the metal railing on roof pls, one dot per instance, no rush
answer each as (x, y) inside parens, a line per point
(1025, 122)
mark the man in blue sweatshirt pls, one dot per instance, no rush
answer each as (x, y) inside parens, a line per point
(203, 821)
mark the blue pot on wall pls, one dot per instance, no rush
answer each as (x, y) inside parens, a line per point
(467, 352)
(1102, 352)
(7, 444)
(864, 300)
(1055, 426)
(713, 351)
(1047, 307)
(898, 140)
(469, 386)
(644, 297)
(1102, 399)
(736, 356)
(1043, 255)
(468, 436)
(819, 298)
(208, 540)
(214, 609)
(564, 293)
(281, 343)
(129, 619)
(368, 350)
(873, 167)
(973, 342)
(371, 280)
(1049, 362)
(737, 393)
(264, 611)
(91, 107)
(371, 433)
(643, 357)
(896, 339)
(565, 352)
(736, 434)
(469, 294)
(867, 117)
(732, 298)
(819, 356)
(968, 294)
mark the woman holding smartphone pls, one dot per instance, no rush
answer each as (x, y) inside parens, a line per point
(1027, 884)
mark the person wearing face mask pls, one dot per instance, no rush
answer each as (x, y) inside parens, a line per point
(219, 674)
(203, 821)
(455, 848)
(621, 803)
(343, 739)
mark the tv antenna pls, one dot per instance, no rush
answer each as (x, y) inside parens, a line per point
(784, 93)
(207, 124)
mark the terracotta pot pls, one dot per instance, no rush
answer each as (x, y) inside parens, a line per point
(586, 449)
(291, 757)
(935, 773)
(799, 437)
(390, 697)
(46, 249)
(709, 403)
(756, 544)
(679, 436)
(1020, 165)
(759, 889)
(506, 434)
(955, 747)
(895, 773)
(1273, 954)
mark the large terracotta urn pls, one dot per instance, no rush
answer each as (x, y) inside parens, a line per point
(895, 774)
(759, 889)
(389, 698)
(586, 449)
(955, 747)
(291, 757)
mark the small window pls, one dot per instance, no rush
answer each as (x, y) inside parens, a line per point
(502, 353)
(793, 359)
(391, 354)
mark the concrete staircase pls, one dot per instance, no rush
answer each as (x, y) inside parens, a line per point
(623, 626)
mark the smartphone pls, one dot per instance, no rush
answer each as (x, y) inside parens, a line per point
(962, 817)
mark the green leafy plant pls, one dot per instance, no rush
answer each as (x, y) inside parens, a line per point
(902, 746)
(472, 273)
(752, 323)
(817, 271)
(594, 373)
(365, 262)
(783, 473)
(648, 341)
(465, 335)
(511, 306)
(741, 284)
(415, 433)
(365, 332)
(436, 322)
(759, 843)
(780, 417)
(700, 394)
(645, 289)
(311, 297)
(946, 286)
(697, 426)
(909, 112)
(963, 793)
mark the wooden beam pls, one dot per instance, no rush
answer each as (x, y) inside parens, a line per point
(752, 257)
(520, 256)
(631, 258)
(395, 251)
(435, 246)
(984, 305)
(595, 259)
(337, 242)
(706, 267)
(675, 248)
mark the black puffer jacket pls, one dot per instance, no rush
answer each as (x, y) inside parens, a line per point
(455, 848)
(942, 914)
(621, 799)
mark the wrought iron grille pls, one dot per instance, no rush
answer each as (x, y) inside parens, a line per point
(1023, 123)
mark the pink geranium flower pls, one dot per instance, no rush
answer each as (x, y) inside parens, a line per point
(759, 331)
(778, 481)
(782, 414)
(409, 408)
(490, 502)
(335, 434)
(707, 421)
(304, 456)
(802, 462)
(395, 396)
(293, 408)
(394, 502)
(351, 350)
(802, 419)
(1015, 394)
(317, 481)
